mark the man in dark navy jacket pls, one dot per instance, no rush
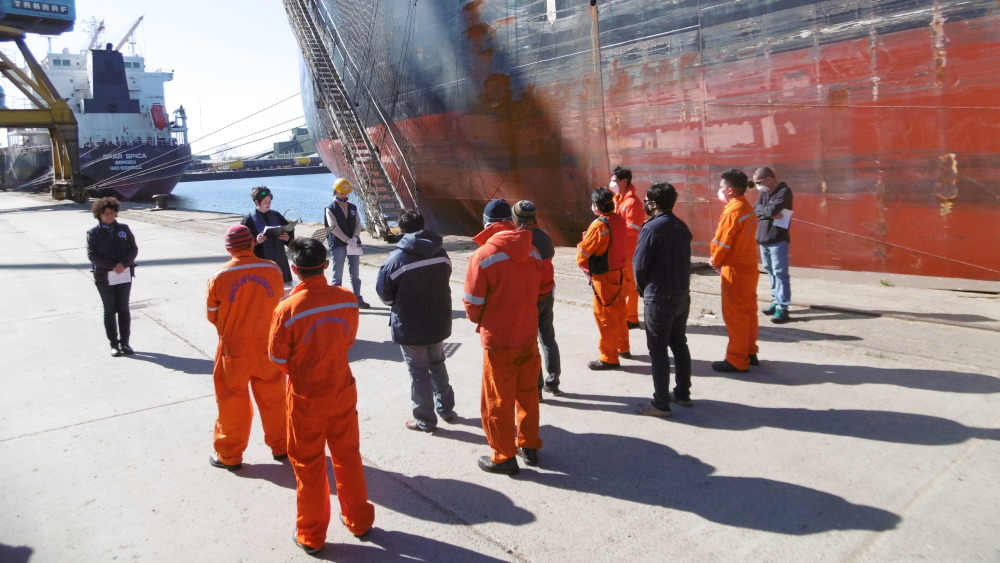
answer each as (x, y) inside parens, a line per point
(663, 277)
(414, 282)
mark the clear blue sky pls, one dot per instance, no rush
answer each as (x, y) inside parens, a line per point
(230, 59)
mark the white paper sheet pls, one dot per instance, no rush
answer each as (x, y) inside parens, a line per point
(118, 279)
(784, 220)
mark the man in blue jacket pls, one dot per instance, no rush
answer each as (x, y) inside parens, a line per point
(663, 277)
(414, 282)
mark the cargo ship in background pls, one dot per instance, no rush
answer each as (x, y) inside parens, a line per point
(129, 148)
(879, 114)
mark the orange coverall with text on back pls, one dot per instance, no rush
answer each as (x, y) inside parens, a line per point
(629, 206)
(310, 335)
(241, 299)
(609, 293)
(502, 285)
(734, 251)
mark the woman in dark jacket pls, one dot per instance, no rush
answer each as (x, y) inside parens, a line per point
(111, 248)
(270, 248)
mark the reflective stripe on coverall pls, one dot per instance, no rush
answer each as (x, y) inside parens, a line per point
(501, 296)
(310, 335)
(629, 206)
(734, 250)
(241, 299)
(609, 301)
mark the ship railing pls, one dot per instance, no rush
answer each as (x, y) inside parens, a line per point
(404, 174)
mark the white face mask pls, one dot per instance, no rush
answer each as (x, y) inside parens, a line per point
(722, 195)
(613, 186)
(763, 188)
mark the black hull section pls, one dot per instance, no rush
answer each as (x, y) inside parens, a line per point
(135, 172)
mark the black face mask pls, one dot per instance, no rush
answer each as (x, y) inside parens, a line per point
(648, 208)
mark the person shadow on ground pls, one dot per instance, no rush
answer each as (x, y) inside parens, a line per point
(646, 472)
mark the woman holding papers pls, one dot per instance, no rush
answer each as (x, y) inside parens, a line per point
(270, 231)
(112, 250)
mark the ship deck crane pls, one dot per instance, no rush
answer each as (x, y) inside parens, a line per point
(51, 111)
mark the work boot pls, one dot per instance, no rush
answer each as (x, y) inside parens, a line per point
(508, 467)
(310, 550)
(126, 349)
(780, 316)
(626, 355)
(682, 400)
(770, 309)
(115, 351)
(600, 365)
(530, 455)
(214, 461)
(725, 367)
(753, 360)
(552, 390)
(648, 409)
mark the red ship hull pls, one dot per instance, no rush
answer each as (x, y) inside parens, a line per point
(889, 143)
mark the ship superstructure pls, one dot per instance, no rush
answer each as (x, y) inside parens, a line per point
(129, 145)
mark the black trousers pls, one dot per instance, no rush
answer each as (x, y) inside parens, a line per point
(666, 327)
(117, 318)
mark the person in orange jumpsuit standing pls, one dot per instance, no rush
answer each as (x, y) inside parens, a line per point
(502, 284)
(734, 255)
(241, 299)
(310, 334)
(602, 256)
(628, 205)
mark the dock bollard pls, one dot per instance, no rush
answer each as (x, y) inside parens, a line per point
(161, 201)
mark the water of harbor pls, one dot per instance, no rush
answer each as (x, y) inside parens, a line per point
(307, 195)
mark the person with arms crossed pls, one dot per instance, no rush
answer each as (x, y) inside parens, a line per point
(774, 210)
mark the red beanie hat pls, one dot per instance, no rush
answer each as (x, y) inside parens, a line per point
(238, 237)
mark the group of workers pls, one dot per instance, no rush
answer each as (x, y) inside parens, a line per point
(289, 349)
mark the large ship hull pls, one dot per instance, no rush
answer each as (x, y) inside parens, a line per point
(129, 173)
(878, 114)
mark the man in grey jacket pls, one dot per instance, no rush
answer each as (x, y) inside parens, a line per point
(773, 209)
(414, 283)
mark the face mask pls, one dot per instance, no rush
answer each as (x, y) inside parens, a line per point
(722, 195)
(648, 208)
(341, 199)
(613, 186)
(763, 188)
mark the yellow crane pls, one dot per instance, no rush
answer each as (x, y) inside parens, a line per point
(51, 112)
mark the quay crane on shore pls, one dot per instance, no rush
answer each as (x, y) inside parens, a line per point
(51, 17)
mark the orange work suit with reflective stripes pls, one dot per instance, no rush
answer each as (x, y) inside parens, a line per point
(629, 206)
(502, 285)
(609, 287)
(310, 335)
(734, 251)
(241, 299)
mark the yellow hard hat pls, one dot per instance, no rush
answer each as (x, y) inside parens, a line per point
(342, 186)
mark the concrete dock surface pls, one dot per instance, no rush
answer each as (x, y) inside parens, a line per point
(869, 432)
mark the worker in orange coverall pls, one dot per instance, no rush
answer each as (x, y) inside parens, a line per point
(241, 298)
(310, 334)
(734, 255)
(628, 205)
(602, 256)
(502, 284)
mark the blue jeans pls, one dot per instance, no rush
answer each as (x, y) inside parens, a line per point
(775, 259)
(666, 326)
(549, 348)
(339, 254)
(429, 387)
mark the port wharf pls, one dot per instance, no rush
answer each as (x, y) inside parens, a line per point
(869, 432)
